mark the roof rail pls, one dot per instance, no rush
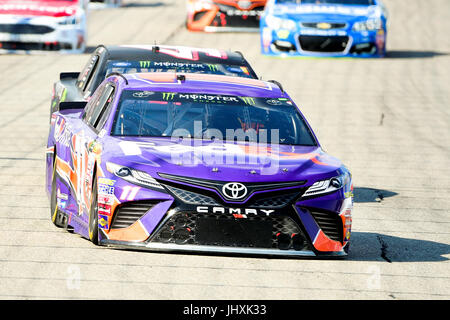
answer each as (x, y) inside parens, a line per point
(278, 84)
(117, 74)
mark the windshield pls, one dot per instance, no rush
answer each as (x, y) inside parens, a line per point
(344, 2)
(209, 116)
(154, 66)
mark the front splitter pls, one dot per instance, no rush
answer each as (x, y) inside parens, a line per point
(168, 247)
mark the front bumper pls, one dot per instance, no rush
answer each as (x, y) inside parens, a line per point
(176, 220)
(224, 18)
(16, 38)
(323, 43)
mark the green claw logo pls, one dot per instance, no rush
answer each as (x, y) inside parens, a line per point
(145, 64)
(212, 67)
(248, 100)
(168, 95)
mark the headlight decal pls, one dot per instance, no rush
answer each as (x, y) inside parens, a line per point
(133, 176)
(279, 23)
(368, 25)
(327, 186)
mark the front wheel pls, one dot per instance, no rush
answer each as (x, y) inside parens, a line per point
(93, 215)
(55, 214)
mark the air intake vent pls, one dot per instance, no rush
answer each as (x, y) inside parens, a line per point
(128, 213)
(330, 223)
(25, 29)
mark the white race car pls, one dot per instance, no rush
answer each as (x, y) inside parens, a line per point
(43, 25)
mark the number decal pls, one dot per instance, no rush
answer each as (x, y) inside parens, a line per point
(129, 193)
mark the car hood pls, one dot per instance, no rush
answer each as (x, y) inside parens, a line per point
(38, 8)
(316, 13)
(222, 161)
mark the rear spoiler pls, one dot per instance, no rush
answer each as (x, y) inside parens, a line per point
(68, 75)
(72, 105)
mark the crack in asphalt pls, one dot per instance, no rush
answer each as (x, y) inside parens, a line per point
(384, 248)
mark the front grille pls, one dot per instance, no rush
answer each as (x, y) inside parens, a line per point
(25, 29)
(13, 45)
(229, 16)
(199, 15)
(263, 200)
(183, 228)
(192, 197)
(319, 25)
(200, 189)
(330, 223)
(128, 213)
(323, 43)
(275, 201)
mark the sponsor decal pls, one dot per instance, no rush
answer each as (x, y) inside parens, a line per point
(103, 221)
(60, 195)
(168, 95)
(273, 102)
(61, 204)
(142, 94)
(319, 32)
(235, 211)
(248, 100)
(244, 4)
(105, 199)
(241, 13)
(62, 133)
(346, 10)
(324, 25)
(234, 190)
(283, 34)
(212, 67)
(347, 236)
(105, 189)
(105, 181)
(39, 9)
(186, 53)
(104, 209)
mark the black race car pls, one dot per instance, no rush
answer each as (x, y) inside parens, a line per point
(78, 86)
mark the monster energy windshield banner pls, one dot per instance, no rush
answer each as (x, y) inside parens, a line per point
(182, 98)
(155, 66)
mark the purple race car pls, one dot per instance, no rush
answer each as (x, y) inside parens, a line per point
(196, 162)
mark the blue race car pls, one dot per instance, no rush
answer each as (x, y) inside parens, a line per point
(336, 28)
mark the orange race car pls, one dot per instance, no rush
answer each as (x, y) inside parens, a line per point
(224, 15)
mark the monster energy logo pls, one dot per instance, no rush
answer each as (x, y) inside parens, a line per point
(145, 64)
(168, 95)
(248, 100)
(212, 67)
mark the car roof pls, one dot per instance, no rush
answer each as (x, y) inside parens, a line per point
(199, 83)
(163, 53)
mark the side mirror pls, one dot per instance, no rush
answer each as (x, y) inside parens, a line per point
(68, 75)
(72, 105)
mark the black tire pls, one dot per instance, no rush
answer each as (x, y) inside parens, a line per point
(55, 214)
(93, 214)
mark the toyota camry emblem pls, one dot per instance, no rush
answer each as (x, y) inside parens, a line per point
(234, 190)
